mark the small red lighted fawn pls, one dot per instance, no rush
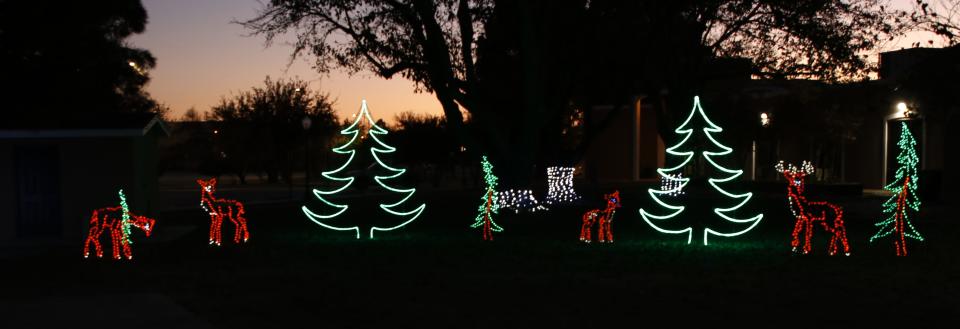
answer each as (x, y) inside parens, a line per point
(111, 220)
(828, 215)
(220, 208)
(602, 218)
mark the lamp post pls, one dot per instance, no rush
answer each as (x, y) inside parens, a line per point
(306, 122)
(764, 123)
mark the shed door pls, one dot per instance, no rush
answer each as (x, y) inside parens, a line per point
(38, 191)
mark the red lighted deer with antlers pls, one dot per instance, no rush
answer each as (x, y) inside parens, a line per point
(220, 208)
(807, 213)
(117, 221)
(602, 218)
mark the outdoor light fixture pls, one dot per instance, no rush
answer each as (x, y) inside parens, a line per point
(764, 119)
(602, 218)
(490, 205)
(117, 222)
(903, 110)
(809, 212)
(672, 184)
(519, 200)
(675, 205)
(220, 209)
(376, 148)
(560, 185)
(904, 200)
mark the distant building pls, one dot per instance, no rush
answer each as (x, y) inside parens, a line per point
(925, 80)
(627, 146)
(849, 131)
(54, 173)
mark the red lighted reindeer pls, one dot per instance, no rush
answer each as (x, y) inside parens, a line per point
(117, 221)
(828, 215)
(220, 208)
(602, 218)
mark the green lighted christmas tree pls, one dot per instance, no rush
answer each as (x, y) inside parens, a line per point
(125, 217)
(904, 199)
(489, 206)
(376, 149)
(672, 193)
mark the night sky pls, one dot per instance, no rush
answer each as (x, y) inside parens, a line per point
(201, 56)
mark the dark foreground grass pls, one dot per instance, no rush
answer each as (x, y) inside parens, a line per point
(438, 273)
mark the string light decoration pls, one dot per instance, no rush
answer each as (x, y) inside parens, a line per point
(373, 131)
(125, 218)
(658, 221)
(809, 212)
(671, 184)
(489, 206)
(560, 186)
(519, 200)
(218, 209)
(117, 221)
(904, 199)
(603, 218)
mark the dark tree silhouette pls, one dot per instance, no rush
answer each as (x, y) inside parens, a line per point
(942, 17)
(59, 57)
(429, 148)
(818, 39)
(517, 66)
(191, 115)
(262, 127)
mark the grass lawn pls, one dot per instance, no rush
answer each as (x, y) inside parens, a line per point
(437, 272)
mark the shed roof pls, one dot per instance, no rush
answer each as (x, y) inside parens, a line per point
(74, 126)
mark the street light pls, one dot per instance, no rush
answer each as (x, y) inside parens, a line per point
(135, 67)
(306, 122)
(754, 148)
(764, 119)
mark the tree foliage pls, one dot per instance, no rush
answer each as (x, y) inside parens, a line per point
(816, 39)
(425, 138)
(277, 101)
(517, 66)
(942, 17)
(419, 40)
(72, 56)
(262, 126)
(191, 115)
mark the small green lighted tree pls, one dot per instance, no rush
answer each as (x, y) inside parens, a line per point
(125, 217)
(376, 148)
(904, 199)
(489, 206)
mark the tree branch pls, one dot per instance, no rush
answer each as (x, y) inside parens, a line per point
(735, 27)
(466, 41)
(388, 72)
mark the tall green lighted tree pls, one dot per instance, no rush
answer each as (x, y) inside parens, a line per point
(686, 153)
(376, 149)
(904, 199)
(490, 204)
